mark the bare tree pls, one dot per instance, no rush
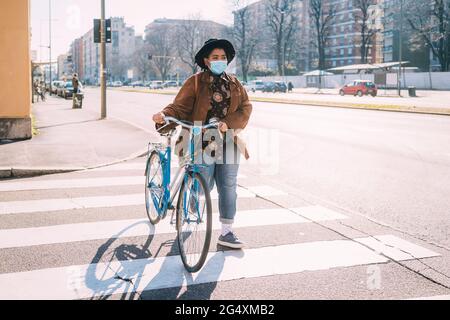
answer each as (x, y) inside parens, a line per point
(322, 18)
(367, 30)
(190, 38)
(161, 47)
(117, 67)
(430, 20)
(141, 61)
(282, 18)
(244, 35)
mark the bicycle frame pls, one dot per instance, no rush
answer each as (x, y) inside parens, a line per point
(172, 188)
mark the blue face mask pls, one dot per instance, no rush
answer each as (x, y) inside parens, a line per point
(218, 67)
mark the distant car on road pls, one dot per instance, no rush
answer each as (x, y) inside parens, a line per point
(55, 85)
(137, 84)
(154, 85)
(170, 84)
(359, 88)
(276, 86)
(255, 85)
(117, 84)
(67, 90)
(60, 89)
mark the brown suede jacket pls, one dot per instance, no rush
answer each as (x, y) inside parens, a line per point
(194, 99)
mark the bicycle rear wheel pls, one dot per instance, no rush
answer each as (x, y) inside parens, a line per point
(154, 190)
(194, 222)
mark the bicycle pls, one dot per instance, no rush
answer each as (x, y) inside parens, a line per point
(193, 208)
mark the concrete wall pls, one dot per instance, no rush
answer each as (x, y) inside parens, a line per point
(422, 80)
(15, 70)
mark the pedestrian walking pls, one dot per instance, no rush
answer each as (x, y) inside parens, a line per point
(290, 86)
(75, 83)
(215, 94)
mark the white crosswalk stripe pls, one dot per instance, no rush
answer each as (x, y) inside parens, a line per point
(101, 279)
(30, 184)
(30, 206)
(131, 228)
(83, 281)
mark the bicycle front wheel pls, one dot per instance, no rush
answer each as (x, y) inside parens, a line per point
(154, 190)
(194, 221)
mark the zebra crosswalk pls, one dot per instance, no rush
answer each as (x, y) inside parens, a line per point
(98, 278)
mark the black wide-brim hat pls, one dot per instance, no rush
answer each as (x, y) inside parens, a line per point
(212, 44)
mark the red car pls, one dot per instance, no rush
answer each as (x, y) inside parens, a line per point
(360, 88)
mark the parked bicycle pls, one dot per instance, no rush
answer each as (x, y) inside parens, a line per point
(193, 208)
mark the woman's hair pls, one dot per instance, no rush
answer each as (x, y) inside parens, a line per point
(208, 53)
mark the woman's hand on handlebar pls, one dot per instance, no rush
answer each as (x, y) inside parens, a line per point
(159, 118)
(223, 127)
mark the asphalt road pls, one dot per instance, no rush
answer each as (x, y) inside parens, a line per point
(391, 167)
(334, 204)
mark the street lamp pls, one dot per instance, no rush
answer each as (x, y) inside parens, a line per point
(400, 40)
(50, 41)
(103, 61)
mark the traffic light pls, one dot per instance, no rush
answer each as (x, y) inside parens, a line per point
(108, 37)
(97, 31)
(150, 57)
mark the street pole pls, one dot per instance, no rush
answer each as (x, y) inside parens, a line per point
(50, 41)
(103, 62)
(400, 40)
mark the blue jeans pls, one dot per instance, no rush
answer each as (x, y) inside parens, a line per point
(225, 177)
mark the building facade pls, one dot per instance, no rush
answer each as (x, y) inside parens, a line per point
(86, 54)
(65, 67)
(15, 59)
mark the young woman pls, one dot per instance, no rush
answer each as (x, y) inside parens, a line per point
(210, 94)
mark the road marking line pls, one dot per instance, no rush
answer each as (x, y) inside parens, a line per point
(395, 248)
(30, 184)
(13, 238)
(444, 297)
(318, 213)
(31, 206)
(99, 280)
(72, 183)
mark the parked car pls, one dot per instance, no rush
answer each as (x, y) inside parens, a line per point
(156, 85)
(255, 85)
(67, 90)
(276, 86)
(359, 88)
(137, 84)
(117, 84)
(55, 85)
(60, 89)
(170, 84)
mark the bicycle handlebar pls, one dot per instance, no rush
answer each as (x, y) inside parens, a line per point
(189, 125)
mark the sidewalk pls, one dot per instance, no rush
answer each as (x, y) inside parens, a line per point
(70, 140)
(429, 102)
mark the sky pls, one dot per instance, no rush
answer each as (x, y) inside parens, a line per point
(73, 18)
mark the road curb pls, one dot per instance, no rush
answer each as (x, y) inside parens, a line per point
(30, 172)
(389, 108)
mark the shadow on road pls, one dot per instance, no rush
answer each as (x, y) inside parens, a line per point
(118, 271)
